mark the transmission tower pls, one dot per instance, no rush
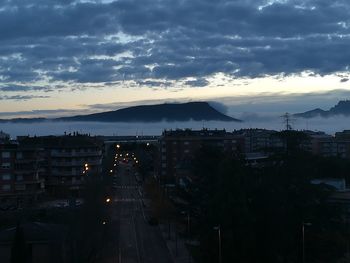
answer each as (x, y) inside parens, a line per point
(287, 120)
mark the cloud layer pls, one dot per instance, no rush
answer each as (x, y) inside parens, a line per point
(159, 41)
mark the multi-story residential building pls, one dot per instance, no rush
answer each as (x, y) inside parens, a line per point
(20, 178)
(54, 164)
(68, 159)
(7, 167)
(29, 172)
(178, 148)
(260, 140)
(332, 146)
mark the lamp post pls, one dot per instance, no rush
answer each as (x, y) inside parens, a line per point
(303, 238)
(189, 233)
(218, 228)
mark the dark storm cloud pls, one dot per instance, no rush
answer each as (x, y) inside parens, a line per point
(197, 83)
(81, 42)
(22, 97)
(15, 88)
(151, 83)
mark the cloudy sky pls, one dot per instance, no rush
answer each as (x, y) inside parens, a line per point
(64, 56)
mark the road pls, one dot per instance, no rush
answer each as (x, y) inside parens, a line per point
(138, 241)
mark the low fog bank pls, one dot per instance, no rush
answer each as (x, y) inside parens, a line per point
(267, 121)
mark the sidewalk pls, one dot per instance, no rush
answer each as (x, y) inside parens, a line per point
(176, 245)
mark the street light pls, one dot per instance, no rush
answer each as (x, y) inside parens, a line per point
(86, 168)
(218, 228)
(303, 237)
(108, 200)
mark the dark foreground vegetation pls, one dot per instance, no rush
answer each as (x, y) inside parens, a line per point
(261, 211)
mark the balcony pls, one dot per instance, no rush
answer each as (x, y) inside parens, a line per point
(29, 181)
(66, 173)
(76, 163)
(76, 154)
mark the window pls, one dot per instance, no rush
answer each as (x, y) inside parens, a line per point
(19, 155)
(6, 166)
(6, 177)
(19, 177)
(5, 155)
(6, 187)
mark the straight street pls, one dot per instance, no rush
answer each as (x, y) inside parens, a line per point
(138, 242)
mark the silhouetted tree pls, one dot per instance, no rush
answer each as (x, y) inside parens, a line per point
(261, 211)
(19, 249)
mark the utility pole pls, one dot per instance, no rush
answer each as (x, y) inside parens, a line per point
(303, 238)
(218, 228)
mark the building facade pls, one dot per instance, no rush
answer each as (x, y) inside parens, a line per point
(68, 159)
(32, 166)
(178, 148)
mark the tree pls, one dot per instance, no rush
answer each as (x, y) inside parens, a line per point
(19, 252)
(260, 211)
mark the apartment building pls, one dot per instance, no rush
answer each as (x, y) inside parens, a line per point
(331, 146)
(7, 168)
(31, 166)
(68, 159)
(178, 148)
(260, 140)
(20, 174)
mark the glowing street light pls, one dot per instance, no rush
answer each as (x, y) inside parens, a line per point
(118, 146)
(86, 168)
(108, 200)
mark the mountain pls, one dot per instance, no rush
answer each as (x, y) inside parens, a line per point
(342, 108)
(197, 111)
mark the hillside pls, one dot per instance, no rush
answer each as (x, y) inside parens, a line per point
(342, 108)
(197, 111)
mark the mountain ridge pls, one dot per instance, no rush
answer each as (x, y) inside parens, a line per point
(341, 108)
(196, 111)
